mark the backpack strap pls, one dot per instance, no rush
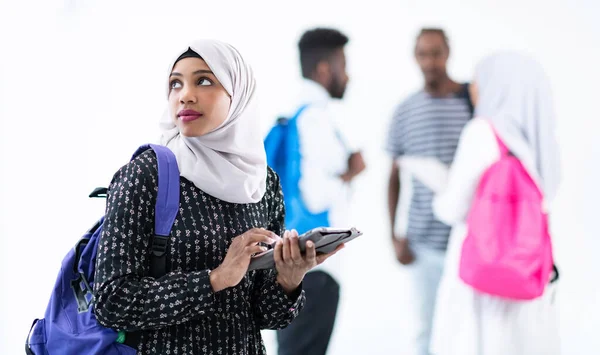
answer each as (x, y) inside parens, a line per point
(501, 146)
(555, 274)
(299, 112)
(166, 209)
(28, 350)
(276, 141)
(338, 134)
(167, 205)
(464, 93)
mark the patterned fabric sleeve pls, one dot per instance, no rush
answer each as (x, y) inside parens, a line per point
(273, 308)
(125, 298)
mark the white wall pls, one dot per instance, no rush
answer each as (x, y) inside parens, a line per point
(82, 85)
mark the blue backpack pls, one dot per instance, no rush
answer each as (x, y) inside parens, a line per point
(69, 326)
(283, 155)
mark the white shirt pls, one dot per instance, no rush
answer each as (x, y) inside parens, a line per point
(325, 152)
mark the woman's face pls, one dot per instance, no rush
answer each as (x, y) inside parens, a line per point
(197, 101)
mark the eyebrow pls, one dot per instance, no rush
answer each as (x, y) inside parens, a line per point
(201, 71)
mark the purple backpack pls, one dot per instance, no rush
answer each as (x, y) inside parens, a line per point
(69, 326)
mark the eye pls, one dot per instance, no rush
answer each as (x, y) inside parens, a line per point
(175, 84)
(204, 82)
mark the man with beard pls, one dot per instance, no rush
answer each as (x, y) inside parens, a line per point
(328, 165)
(425, 129)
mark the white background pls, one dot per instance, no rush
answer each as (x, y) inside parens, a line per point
(82, 84)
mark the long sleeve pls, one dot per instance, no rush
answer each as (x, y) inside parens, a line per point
(324, 160)
(272, 307)
(125, 298)
(476, 151)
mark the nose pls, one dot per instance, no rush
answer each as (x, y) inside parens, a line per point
(428, 62)
(187, 96)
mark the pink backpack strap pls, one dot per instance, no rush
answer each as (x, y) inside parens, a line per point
(503, 149)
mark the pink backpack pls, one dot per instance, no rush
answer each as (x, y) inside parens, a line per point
(507, 251)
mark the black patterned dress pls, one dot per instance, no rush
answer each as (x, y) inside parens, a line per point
(179, 313)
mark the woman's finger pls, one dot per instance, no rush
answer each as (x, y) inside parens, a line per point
(287, 252)
(295, 249)
(278, 252)
(255, 249)
(275, 237)
(311, 253)
(259, 238)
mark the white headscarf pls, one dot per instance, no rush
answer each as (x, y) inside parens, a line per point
(230, 162)
(515, 95)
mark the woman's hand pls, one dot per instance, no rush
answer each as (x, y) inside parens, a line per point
(291, 264)
(235, 264)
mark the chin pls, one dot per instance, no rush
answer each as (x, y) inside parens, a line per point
(435, 82)
(338, 95)
(191, 132)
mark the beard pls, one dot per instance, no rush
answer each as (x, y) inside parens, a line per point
(336, 88)
(434, 78)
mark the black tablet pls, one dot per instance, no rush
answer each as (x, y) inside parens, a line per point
(325, 239)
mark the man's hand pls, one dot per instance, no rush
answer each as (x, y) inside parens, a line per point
(356, 165)
(403, 252)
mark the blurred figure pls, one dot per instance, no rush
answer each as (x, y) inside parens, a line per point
(512, 93)
(425, 128)
(327, 166)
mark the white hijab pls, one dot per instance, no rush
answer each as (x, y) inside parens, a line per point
(515, 95)
(230, 162)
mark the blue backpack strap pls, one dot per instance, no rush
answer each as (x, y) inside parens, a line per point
(290, 173)
(167, 205)
(299, 112)
(277, 145)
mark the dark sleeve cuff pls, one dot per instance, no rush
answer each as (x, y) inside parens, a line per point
(200, 290)
(296, 294)
(292, 302)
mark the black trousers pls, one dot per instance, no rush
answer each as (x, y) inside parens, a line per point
(309, 333)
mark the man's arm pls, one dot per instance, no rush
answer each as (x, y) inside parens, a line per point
(395, 146)
(393, 194)
(318, 184)
(403, 252)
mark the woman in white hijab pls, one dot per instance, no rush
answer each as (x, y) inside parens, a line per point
(230, 207)
(511, 92)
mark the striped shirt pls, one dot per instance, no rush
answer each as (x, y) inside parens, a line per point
(426, 126)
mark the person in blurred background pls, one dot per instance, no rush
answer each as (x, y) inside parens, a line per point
(328, 165)
(207, 301)
(512, 96)
(426, 126)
